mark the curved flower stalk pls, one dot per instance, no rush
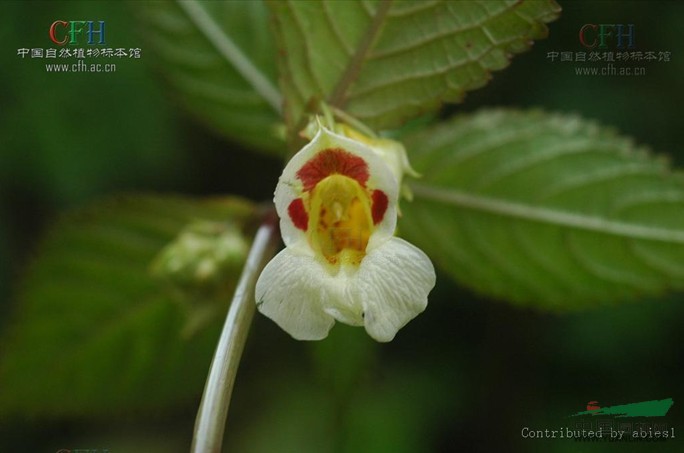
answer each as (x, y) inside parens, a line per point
(337, 201)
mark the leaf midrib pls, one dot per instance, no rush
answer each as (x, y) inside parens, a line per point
(545, 215)
(351, 73)
(232, 53)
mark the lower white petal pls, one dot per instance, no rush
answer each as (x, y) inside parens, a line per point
(393, 282)
(290, 291)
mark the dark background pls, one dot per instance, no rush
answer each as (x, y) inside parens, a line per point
(466, 375)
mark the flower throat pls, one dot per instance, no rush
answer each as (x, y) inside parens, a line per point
(340, 220)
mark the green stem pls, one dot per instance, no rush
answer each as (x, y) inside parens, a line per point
(353, 122)
(213, 410)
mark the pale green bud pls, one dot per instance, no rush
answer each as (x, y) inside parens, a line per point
(203, 256)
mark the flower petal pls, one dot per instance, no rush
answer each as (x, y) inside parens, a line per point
(300, 295)
(393, 283)
(288, 292)
(291, 188)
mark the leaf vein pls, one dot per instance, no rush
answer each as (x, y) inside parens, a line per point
(547, 215)
(225, 46)
(332, 24)
(412, 46)
(339, 93)
(561, 186)
(529, 162)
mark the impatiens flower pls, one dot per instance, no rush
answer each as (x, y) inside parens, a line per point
(337, 202)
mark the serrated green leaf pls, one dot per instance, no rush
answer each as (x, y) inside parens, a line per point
(549, 210)
(220, 57)
(386, 61)
(95, 331)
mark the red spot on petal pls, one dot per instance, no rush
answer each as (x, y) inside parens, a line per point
(333, 161)
(298, 214)
(379, 206)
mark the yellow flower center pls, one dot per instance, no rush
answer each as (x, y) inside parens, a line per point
(340, 220)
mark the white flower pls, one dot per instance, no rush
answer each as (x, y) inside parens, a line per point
(337, 202)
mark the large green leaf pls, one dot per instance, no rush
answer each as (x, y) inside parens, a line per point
(220, 57)
(95, 331)
(386, 61)
(546, 209)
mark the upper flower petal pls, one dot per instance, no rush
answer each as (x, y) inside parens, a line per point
(393, 283)
(391, 151)
(330, 153)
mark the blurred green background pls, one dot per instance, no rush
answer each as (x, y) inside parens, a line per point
(466, 375)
